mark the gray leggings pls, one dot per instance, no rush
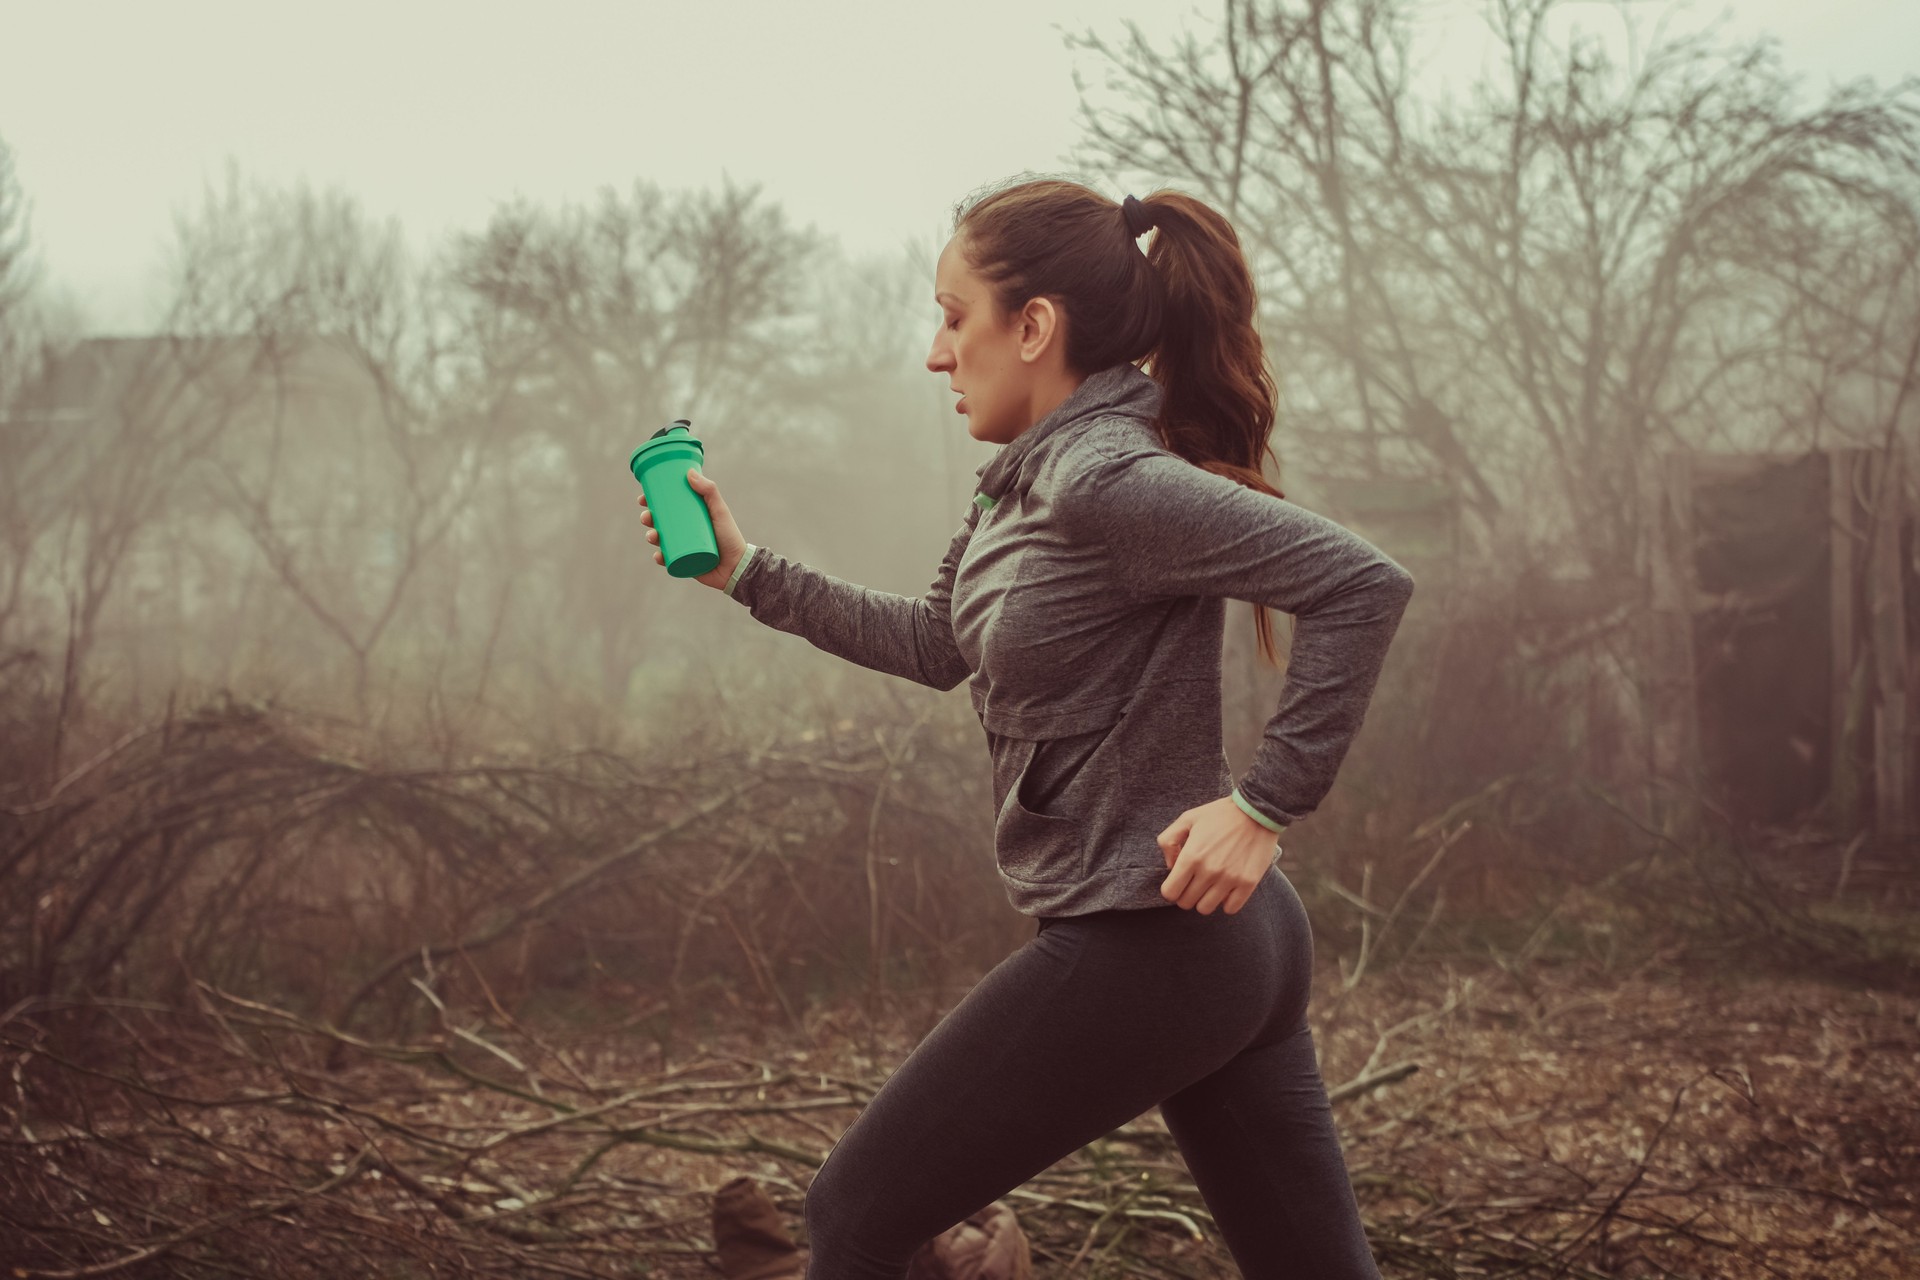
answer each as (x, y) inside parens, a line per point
(1093, 1020)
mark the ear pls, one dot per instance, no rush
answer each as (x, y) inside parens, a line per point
(1039, 329)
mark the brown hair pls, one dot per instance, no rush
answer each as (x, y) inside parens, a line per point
(1183, 311)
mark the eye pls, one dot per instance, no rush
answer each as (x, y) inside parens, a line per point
(953, 324)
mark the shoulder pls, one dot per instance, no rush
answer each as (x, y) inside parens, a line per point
(1120, 464)
(1103, 443)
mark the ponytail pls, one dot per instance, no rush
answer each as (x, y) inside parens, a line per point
(1184, 311)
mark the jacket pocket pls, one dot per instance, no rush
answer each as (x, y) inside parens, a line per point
(1057, 804)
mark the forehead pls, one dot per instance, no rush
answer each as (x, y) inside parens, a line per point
(951, 273)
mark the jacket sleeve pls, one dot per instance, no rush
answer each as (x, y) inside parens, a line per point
(1175, 529)
(912, 638)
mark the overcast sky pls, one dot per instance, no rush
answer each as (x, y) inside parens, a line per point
(865, 118)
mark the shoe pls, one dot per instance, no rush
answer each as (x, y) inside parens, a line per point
(749, 1237)
(753, 1244)
(987, 1245)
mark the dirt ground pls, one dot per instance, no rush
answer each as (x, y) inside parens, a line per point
(1655, 1124)
(1553, 1122)
(1660, 1124)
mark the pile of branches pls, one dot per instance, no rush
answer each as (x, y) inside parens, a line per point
(223, 1139)
(273, 856)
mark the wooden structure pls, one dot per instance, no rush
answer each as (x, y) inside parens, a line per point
(1781, 590)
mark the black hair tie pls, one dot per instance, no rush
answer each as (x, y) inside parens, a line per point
(1139, 218)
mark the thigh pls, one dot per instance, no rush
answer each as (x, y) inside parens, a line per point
(1081, 1029)
(1259, 1138)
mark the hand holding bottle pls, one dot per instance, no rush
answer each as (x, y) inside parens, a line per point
(725, 532)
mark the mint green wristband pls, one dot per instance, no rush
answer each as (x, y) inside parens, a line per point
(740, 568)
(1255, 814)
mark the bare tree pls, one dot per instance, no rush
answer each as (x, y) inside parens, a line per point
(1530, 291)
(109, 429)
(601, 324)
(19, 358)
(19, 274)
(352, 467)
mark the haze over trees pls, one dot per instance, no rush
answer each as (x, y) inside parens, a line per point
(348, 731)
(405, 480)
(1524, 292)
(1531, 290)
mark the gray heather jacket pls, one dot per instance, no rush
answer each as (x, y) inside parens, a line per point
(1083, 599)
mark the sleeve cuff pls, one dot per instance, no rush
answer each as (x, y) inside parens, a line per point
(740, 568)
(1255, 814)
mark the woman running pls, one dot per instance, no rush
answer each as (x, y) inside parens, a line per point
(1083, 601)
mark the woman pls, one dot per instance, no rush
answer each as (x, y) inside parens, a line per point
(1083, 601)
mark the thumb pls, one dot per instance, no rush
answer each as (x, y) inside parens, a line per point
(1174, 838)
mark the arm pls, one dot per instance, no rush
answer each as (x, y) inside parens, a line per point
(1174, 529)
(912, 638)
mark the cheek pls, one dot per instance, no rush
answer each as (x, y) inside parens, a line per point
(975, 352)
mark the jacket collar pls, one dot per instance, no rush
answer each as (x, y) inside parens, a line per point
(1119, 390)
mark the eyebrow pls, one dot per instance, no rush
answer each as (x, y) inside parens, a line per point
(947, 294)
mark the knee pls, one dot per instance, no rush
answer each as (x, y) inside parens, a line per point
(852, 1229)
(819, 1207)
(831, 1209)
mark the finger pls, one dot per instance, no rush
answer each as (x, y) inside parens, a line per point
(1236, 900)
(1176, 883)
(1197, 884)
(1174, 838)
(709, 492)
(1215, 895)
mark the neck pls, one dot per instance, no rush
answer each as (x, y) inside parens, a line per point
(1049, 392)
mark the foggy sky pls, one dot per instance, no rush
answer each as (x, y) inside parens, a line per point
(865, 118)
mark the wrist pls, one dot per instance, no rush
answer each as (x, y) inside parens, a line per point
(739, 567)
(1269, 823)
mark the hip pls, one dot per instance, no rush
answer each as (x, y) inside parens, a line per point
(1264, 949)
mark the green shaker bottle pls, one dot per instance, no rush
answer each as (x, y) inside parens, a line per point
(680, 515)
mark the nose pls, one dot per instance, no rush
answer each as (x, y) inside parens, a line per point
(940, 357)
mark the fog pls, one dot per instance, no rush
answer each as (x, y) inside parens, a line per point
(342, 705)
